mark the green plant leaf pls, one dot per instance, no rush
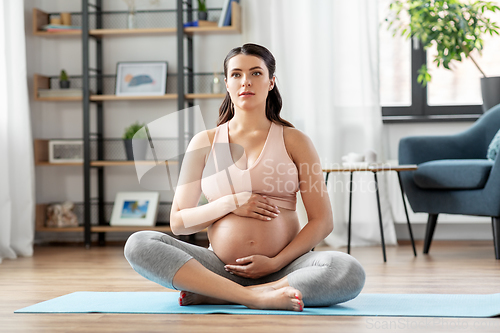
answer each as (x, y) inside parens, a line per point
(132, 129)
(454, 26)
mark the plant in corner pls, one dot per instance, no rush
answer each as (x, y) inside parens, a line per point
(135, 136)
(455, 27)
(63, 80)
(202, 10)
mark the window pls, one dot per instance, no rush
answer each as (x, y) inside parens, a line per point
(451, 95)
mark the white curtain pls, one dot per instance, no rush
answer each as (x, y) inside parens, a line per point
(17, 202)
(327, 71)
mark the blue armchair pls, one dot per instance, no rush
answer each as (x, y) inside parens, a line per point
(454, 176)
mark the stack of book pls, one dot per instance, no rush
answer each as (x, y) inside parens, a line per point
(225, 17)
(60, 27)
(45, 93)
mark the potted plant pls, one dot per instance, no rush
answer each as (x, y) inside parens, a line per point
(135, 141)
(202, 10)
(63, 80)
(455, 28)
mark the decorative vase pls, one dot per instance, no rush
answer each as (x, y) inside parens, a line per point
(64, 84)
(490, 90)
(202, 16)
(131, 22)
(216, 85)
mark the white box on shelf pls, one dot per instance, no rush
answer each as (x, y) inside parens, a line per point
(66, 151)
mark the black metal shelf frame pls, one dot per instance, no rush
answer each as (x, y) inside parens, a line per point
(185, 84)
(96, 82)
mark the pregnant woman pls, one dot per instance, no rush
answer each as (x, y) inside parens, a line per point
(250, 168)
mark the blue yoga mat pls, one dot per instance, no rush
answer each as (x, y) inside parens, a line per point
(393, 305)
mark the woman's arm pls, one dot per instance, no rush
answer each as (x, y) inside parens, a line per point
(186, 217)
(314, 195)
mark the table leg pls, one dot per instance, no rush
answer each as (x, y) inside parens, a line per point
(380, 216)
(349, 221)
(407, 217)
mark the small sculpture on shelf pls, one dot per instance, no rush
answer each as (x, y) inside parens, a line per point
(64, 82)
(61, 215)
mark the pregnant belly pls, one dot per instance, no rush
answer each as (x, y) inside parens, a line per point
(234, 236)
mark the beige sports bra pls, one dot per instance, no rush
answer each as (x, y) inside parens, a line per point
(273, 174)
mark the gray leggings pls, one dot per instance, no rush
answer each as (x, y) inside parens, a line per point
(323, 277)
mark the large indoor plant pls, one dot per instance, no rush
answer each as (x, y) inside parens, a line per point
(455, 27)
(135, 141)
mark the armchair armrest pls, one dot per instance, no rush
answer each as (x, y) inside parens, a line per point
(420, 149)
(494, 178)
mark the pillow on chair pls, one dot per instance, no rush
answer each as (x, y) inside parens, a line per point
(494, 147)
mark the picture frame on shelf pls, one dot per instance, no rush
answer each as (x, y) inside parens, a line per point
(135, 209)
(65, 151)
(138, 78)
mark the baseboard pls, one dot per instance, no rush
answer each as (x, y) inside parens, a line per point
(447, 231)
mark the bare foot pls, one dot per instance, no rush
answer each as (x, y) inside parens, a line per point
(286, 298)
(189, 298)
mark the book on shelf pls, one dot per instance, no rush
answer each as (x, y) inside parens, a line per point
(224, 12)
(200, 23)
(225, 17)
(60, 92)
(60, 27)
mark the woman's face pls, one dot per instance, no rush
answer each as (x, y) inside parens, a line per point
(248, 81)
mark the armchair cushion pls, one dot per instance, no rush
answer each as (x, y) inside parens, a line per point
(463, 174)
(494, 147)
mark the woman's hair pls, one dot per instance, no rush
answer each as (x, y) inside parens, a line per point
(273, 101)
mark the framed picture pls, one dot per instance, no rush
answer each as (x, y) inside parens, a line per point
(135, 209)
(65, 151)
(141, 78)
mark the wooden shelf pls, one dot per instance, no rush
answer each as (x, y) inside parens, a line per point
(105, 228)
(235, 26)
(204, 96)
(58, 33)
(43, 82)
(131, 32)
(40, 225)
(41, 18)
(130, 98)
(41, 151)
(124, 163)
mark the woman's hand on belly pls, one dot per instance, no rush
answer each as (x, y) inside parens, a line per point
(253, 267)
(233, 237)
(255, 206)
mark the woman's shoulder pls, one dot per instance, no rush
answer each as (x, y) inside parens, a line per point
(202, 139)
(294, 136)
(296, 142)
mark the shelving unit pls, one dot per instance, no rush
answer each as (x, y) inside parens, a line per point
(94, 92)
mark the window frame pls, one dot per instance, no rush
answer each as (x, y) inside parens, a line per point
(420, 110)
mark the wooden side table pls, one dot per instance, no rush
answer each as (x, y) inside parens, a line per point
(374, 169)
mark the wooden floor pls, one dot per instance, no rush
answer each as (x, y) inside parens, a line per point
(467, 267)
